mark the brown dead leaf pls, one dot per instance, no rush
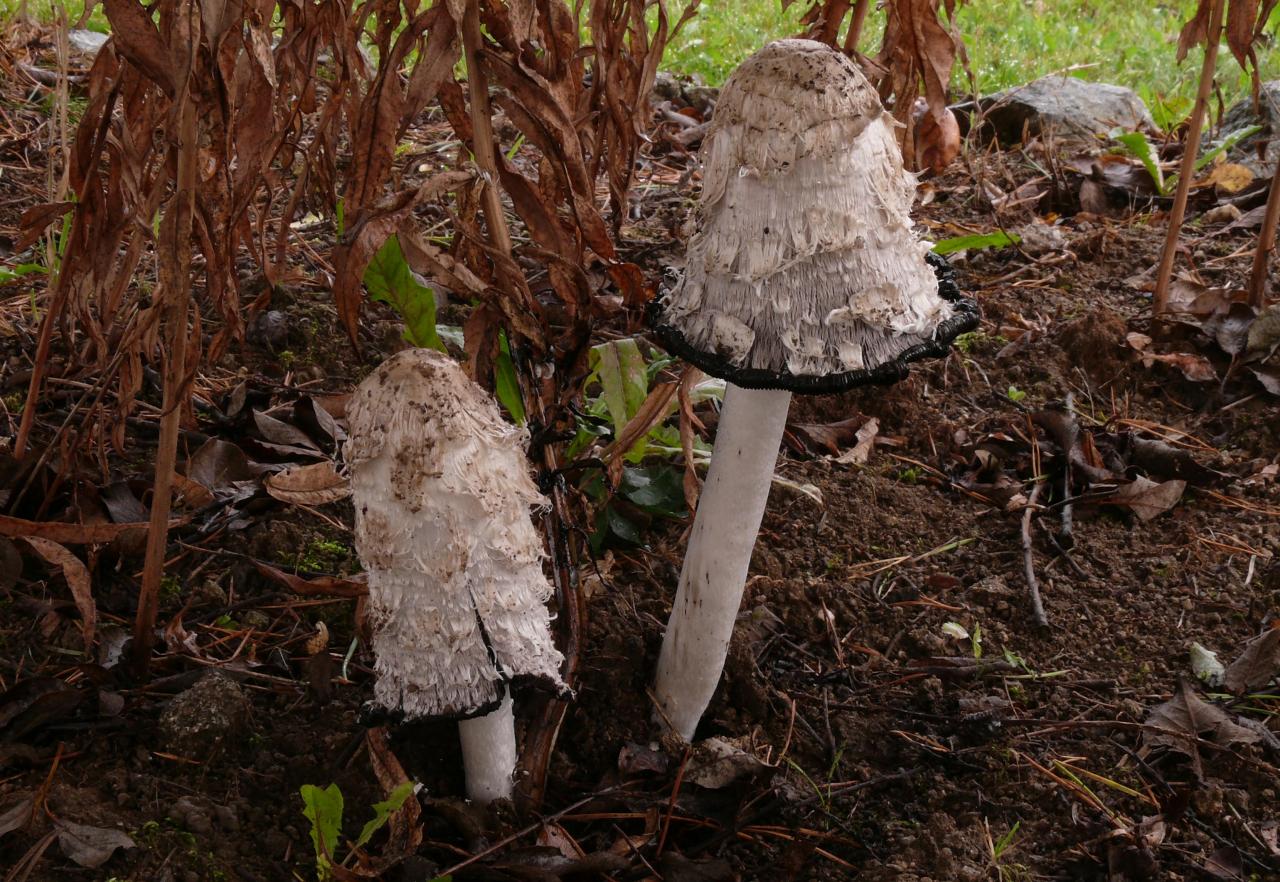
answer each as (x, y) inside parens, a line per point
(77, 576)
(315, 484)
(90, 846)
(1147, 499)
(866, 440)
(1257, 665)
(1195, 368)
(1183, 720)
(1229, 177)
(937, 138)
(406, 823)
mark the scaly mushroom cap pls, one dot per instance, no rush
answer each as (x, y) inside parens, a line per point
(804, 272)
(442, 495)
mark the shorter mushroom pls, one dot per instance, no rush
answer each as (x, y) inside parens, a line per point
(457, 594)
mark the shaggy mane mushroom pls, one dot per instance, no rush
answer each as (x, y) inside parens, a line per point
(456, 589)
(804, 275)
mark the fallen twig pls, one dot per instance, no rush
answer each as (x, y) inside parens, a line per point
(1029, 566)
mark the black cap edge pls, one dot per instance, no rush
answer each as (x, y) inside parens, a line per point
(966, 318)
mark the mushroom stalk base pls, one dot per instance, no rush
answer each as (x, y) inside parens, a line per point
(719, 554)
(489, 753)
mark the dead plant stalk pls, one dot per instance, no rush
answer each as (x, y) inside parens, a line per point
(175, 273)
(1191, 149)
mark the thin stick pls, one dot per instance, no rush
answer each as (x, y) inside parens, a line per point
(1160, 300)
(175, 271)
(1266, 244)
(1028, 561)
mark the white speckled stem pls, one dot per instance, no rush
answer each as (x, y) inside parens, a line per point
(489, 753)
(715, 564)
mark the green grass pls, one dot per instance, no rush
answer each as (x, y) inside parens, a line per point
(1128, 42)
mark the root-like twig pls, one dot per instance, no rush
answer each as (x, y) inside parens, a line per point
(1033, 585)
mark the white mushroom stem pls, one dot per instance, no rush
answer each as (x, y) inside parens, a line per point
(715, 565)
(489, 753)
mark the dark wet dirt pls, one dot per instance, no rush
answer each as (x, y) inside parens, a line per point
(881, 761)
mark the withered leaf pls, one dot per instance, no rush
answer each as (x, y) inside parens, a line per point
(1195, 368)
(861, 451)
(16, 811)
(1147, 499)
(1184, 719)
(1257, 665)
(77, 576)
(137, 39)
(315, 484)
(69, 534)
(90, 846)
(219, 465)
(281, 433)
(1225, 863)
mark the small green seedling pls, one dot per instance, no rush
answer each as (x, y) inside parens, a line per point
(323, 809)
(1136, 144)
(976, 242)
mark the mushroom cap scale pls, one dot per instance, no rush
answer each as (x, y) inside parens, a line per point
(804, 272)
(442, 494)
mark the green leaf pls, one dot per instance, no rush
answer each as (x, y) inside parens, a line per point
(323, 808)
(1227, 143)
(389, 280)
(624, 379)
(621, 527)
(1137, 144)
(9, 273)
(505, 384)
(998, 239)
(658, 489)
(382, 811)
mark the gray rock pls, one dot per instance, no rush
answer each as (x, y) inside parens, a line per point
(1241, 115)
(86, 42)
(1072, 109)
(210, 718)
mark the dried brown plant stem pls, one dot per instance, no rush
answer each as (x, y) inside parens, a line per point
(1266, 244)
(482, 131)
(1160, 300)
(175, 277)
(535, 757)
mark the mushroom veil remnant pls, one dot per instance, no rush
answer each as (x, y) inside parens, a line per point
(457, 594)
(803, 275)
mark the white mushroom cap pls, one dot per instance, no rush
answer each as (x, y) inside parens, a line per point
(805, 272)
(442, 495)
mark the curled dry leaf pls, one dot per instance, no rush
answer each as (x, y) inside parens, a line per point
(1147, 499)
(937, 140)
(861, 451)
(1195, 368)
(1257, 665)
(77, 576)
(90, 846)
(16, 811)
(1183, 720)
(315, 484)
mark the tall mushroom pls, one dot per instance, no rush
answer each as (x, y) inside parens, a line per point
(456, 589)
(804, 275)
